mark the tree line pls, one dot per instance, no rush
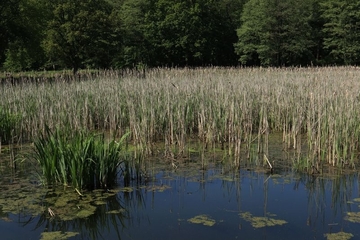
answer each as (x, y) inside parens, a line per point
(57, 34)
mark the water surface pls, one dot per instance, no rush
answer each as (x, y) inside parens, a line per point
(190, 203)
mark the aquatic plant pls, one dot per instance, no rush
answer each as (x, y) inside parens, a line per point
(57, 235)
(8, 124)
(353, 217)
(80, 159)
(338, 236)
(259, 222)
(202, 219)
(316, 110)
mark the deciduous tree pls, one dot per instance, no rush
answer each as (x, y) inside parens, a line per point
(342, 30)
(80, 34)
(275, 33)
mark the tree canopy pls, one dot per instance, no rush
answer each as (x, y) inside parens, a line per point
(39, 34)
(342, 30)
(80, 34)
(275, 33)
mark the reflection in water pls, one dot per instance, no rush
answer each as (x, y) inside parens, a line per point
(329, 199)
(170, 203)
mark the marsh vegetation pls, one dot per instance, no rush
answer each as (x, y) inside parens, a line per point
(113, 128)
(80, 159)
(316, 111)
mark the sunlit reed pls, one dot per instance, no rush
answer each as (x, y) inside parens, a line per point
(316, 109)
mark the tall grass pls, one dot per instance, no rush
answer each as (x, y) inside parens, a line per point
(316, 109)
(80, 159)
(8, 124)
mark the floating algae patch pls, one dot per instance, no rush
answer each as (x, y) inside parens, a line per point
(34, 200)
(57, 235)
(158, 188)
(353, 217)
(259, 222)
(21, 196)
(338, 236)
(126, 189)
(355, 200)
(86, 211)
(202, 219)
(69, 205)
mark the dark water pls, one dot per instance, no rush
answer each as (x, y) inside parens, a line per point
(161, 207)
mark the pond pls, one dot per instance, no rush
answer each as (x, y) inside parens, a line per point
(186, 202)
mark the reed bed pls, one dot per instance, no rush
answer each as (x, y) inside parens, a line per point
(315, 109)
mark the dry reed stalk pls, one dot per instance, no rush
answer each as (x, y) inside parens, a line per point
(51, 212)
(217, 105)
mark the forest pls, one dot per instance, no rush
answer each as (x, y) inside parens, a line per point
(103, 34)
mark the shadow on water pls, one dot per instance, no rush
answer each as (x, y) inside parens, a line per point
(185, 201)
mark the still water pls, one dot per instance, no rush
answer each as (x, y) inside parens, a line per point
(190, 203)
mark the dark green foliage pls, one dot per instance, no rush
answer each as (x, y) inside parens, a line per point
(80, 34)
(195, 33)
(8, 123)
(135, 48)
(8, 12)
(81, 159)
(39, 34)
(342, 30)
(275, 33)
(21, 32)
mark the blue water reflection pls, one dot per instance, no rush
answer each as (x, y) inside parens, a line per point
(312, 206)
(159, 209)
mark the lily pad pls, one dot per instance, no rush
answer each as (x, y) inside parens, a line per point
(338, 236)
(202, 219)
(259, 222)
